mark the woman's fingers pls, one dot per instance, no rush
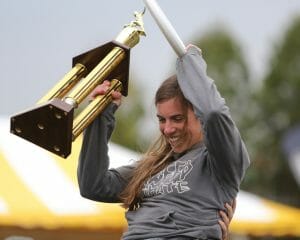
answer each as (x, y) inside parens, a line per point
(100, 89)
(230, 209)
(224, 230)
(225, 218)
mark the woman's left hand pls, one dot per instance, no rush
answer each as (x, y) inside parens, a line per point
(226, 218)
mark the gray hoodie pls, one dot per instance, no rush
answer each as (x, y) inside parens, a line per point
(184, 198)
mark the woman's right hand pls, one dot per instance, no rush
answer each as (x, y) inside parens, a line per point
(102, 89)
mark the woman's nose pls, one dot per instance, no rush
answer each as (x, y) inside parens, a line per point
(169, 128)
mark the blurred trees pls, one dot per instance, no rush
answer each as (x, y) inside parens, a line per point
(278, 111)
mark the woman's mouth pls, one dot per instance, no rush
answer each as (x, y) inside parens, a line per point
(174, 140)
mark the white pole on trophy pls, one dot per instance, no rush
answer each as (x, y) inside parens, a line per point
(166, 27)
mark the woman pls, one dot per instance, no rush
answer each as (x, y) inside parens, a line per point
(196, 166)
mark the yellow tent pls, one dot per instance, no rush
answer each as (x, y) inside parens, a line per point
(261, 217)
(39, 197)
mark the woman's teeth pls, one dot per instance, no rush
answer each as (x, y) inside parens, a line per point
(173, 139)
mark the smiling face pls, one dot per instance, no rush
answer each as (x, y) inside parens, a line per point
(178, 124)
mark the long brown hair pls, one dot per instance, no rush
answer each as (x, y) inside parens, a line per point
(157, 157)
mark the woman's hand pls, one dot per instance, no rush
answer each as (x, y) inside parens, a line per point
(226, 219)
(102, 89)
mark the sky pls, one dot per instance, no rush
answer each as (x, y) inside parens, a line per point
(38, 39)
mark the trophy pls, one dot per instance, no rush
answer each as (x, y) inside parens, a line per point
(51, 124)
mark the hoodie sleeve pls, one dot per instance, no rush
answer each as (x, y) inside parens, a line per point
(96, 181)
(227, 153)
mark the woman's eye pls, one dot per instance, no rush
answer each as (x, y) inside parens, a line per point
(178, 119)
(161, 120)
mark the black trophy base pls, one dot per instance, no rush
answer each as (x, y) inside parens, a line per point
(48, 125)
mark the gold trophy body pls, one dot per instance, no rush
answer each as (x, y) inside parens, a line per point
(50, 124)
